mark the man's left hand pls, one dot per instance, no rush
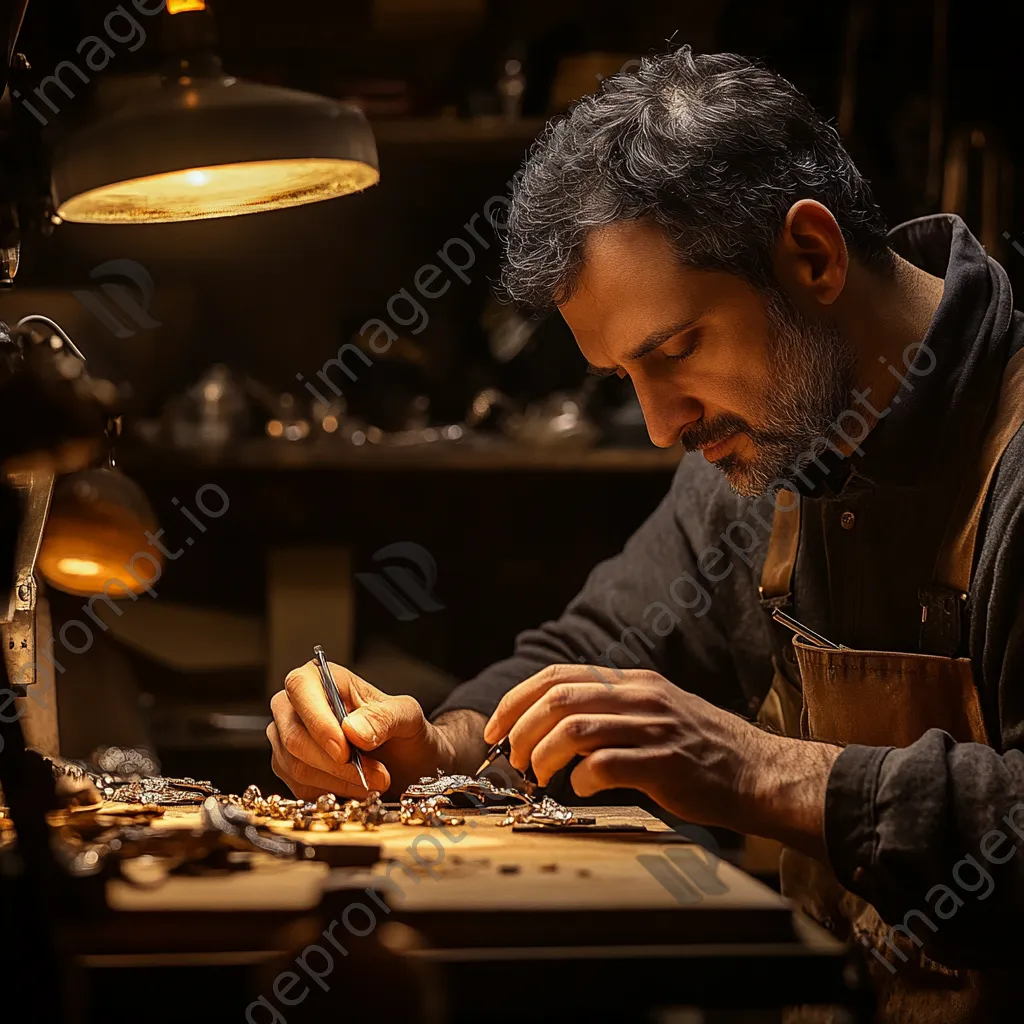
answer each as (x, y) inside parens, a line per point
(637, 730)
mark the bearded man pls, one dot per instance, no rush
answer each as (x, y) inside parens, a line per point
(852, 401)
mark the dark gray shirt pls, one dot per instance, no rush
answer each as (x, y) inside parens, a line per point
(682, 599)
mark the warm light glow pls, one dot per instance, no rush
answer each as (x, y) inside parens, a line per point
(275, 428)
(78, 567)
(228, 190)
(179, 6)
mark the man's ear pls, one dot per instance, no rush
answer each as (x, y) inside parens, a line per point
(811, 259)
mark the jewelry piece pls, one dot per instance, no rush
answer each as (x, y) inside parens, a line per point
(479, 790)
(325, 814)
(420, 802)
(128, 762)
(426, 810)
(543, 812)
(156, 789)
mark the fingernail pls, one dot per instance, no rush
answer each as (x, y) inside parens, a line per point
(333, 748)
(489, 731)
(361, 726)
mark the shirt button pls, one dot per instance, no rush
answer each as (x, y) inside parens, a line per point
(846, 520)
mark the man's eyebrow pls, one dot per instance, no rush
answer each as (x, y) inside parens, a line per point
(658, 338)
(653, 341)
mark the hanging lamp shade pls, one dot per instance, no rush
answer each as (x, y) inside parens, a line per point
(212, 146)
(95, 539)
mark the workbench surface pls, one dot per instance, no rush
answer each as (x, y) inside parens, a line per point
(666, 919)
(480, 869)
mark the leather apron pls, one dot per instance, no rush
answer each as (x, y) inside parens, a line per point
(884, 698)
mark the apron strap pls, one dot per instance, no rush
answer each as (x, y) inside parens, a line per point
(943, 604)
(777, 574)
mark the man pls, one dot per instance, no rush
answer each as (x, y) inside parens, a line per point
(856, 405)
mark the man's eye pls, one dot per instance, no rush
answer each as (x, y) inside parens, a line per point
(688, 351)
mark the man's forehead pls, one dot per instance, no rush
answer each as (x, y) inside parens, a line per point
(628, 266)
(626, 248)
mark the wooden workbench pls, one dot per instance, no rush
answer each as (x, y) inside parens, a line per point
(484, 905)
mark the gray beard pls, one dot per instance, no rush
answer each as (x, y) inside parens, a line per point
(811, 365)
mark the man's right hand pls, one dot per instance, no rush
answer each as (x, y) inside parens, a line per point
(312, 751)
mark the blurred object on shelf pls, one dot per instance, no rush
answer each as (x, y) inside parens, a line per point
(511, 87)
(328, 417)
(417, 428)
(377, 97)
(285, 419)
(581, 74)
(559, 419)
(489, 412)
(210, 414)
(96, 535)
(508, 331)
(425, 435)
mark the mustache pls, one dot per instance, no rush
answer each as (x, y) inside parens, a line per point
(708, 432)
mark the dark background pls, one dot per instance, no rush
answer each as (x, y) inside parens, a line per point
(276, 294)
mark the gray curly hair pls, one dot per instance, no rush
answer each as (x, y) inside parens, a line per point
(715, 149)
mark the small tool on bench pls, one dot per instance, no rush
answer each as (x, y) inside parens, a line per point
(503, 748)
(337, 706)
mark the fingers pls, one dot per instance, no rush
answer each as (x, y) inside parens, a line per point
(631, 699)
(296, 739)
(550, 708)
(610, 768)
(386, 718)
(583, 734)
(306, 695)
(307, 781)
(519, 698)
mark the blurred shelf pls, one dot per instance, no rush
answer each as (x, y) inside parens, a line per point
(258, 455)
(419, 130)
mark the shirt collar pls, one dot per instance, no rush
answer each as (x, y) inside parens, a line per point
(956, 370)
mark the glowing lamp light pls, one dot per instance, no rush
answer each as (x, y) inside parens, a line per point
(78, 567)
(180, 6)
(228, 191)
(95, 541)
(213, 146)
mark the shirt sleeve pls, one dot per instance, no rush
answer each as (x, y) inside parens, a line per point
(667, 602)
(932, 834)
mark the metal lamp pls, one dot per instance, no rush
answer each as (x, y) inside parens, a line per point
(97, 525)
(208, 145)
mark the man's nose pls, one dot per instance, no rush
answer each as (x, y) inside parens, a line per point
(666, 415)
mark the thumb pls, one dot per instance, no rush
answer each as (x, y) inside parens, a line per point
(372, 725)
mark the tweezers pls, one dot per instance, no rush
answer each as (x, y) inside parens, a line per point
(338, 707)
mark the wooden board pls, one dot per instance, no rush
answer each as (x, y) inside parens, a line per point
(480, 883)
